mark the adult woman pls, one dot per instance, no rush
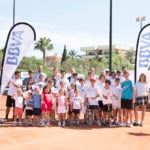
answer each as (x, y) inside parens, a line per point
(141, 98)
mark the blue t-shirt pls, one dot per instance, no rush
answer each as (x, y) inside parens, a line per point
(37, 101)
(127, 91)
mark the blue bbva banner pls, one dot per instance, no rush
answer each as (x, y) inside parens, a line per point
(142, 52)
(21, 36)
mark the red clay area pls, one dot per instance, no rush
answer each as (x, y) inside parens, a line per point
(75, 138)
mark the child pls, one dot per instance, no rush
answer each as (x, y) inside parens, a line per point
(101, 85)
(18, 97)
(46, 107)
(75, 79)
(92, 94)
(28, 88)
(76, 106)
(50, 83)
(41, 80)
(142, 90)
(82, 92)
(127, 99)
(36, 106)
(29, 108)
(70, 95)
(107, 102)
(61, 110)
(116, 103)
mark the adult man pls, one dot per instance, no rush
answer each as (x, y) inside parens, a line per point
(14, 84)
(55, 75)
(30, 78)
(62, 77)
(39, 72)
(72, 71)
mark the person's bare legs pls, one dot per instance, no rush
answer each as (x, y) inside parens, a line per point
(143, 113)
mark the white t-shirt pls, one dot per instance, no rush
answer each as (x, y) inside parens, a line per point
(87, 83)
(71, 95)
(109, 94)
(77, 102)
(82, 91)
(100, 86)
(90, 93)
(18, 101)
(12, 89)
(141, 89)
(56, 91)
(67, 84)
(112, 80)
(117, 90)
(36, 76)
(121, 77)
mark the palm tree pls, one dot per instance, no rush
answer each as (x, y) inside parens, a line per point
(130, 56)
(72, 54)
(43, 44)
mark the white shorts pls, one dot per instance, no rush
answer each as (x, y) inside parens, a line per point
(116, 104)
(61, 110)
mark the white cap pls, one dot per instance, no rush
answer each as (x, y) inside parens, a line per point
(36, 88)
(40, 83)
(106, 69)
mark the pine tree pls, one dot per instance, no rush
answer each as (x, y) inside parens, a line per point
(64, 55)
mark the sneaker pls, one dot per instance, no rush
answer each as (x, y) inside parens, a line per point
(105, 123)
(90, 122)
(99, 123)
(25, 121)
(71, 124)
(33, 124)
(124, 124)
(141, 124)
(1, 121)
(59, 123)
(74, 122)
(20, 124)
(78, 123)
(113, 123)
(84, 122)
(42, 124)
(48, 124)
(136, 123)
(119, 123)
(131, 125)
(30, 124)
(64, 124)
(14, 124)
(108, 125)
(38, 123)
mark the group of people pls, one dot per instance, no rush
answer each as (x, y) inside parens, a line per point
(105, 100)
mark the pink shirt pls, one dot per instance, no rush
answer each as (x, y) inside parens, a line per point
(61, 101)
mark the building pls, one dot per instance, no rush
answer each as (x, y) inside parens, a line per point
(53, 59)
(103, 50)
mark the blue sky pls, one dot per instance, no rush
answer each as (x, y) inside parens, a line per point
(76, 23)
